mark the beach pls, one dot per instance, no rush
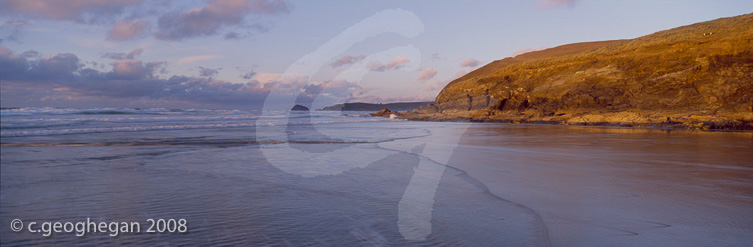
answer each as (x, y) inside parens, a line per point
(619, 186)
(328, 178)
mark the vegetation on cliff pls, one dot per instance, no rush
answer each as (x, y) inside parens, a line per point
(695, 76)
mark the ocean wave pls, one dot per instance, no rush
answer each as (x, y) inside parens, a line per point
(110, 112)
(107, 111)
(18, 132)
(42, 121)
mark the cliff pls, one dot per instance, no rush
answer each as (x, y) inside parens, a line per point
(695, 76)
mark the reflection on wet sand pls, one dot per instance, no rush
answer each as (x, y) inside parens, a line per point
(613, 186)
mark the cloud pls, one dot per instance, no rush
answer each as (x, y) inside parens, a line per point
(128, 29)
(14, 23)
(60, 66)
(248, 75)
(526, 50)
(469, 63)
(134, 53)
(398, 63)
(267, 77)
(427, 74)
(85, 11)
(14, 26)
(347, 60)
(5, 51)
(30, 54)
(545, 4)
(120, 55)
(193, 59)
(62, 77)
(284, 82)
(232, 35)
(213, 17)
(132, 69)
(208, 72)
(327, 91)
(30, 79)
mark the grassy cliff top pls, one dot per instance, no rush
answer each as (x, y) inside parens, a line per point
(722, 37)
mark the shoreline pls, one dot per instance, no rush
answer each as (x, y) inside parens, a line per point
(719, 125)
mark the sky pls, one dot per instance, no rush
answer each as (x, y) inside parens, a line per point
(249, 54)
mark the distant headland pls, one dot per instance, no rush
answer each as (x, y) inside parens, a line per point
(358, 106)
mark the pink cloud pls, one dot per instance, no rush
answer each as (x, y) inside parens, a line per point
(427, 74)
(399, 62)
(78, 10)
(545, 4)
(526, 50)
(347, 60)
(469, 63)
(128, 67)
(128, 29)
(4, 51)
(285, 82)
(132, 69)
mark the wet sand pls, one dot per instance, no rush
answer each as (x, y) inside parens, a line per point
(619, 187)
(504, 185)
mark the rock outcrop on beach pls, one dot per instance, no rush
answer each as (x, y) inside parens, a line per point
(383, 113)
(696, 76)
(299, 108)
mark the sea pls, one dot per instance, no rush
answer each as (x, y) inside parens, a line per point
(326, 178)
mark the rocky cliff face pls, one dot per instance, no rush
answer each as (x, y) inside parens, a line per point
(696, 76)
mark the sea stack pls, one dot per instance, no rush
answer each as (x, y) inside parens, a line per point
(299, 108)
